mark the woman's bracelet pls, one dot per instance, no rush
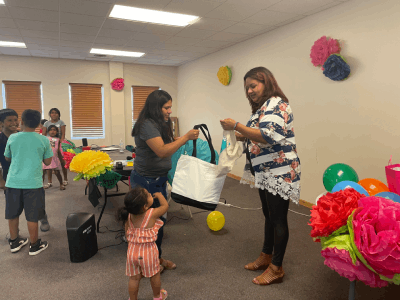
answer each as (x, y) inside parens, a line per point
(234, 127)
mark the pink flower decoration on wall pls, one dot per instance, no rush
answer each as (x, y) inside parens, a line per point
(322, 49)
(118, 84)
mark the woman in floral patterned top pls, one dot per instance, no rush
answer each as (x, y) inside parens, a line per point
(269, 138)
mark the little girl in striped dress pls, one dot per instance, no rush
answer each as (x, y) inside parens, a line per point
(141, 226)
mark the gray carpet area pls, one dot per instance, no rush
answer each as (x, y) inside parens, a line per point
(210, 264)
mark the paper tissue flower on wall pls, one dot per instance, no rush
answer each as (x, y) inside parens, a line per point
(224, 75)
(118, 84)
(326, 53)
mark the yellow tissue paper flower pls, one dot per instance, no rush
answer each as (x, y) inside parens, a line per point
(90, 164)
(224, 75)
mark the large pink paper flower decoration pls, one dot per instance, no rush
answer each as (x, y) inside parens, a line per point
(332, 211)
(377, 234)
(117, 84)
(340, 261)
(322, 49)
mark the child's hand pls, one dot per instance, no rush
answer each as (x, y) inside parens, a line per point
(157, 195)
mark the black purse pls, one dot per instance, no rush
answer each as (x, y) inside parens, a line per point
(248, 157)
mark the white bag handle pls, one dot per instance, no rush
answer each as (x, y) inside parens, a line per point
(232, 145)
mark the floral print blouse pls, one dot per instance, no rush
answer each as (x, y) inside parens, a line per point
(276, 163)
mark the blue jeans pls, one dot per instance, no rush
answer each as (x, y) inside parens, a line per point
(152, 185)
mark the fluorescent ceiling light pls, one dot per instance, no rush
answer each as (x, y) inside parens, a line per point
(151, 16)
(2, 2)
(116, 53)
(12, 44)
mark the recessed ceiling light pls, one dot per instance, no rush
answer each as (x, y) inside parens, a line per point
(116, 52)
(151, 16)
(12, 44)
(2, 2)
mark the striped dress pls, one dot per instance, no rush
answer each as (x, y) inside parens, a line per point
(276, 163)
(142, 256)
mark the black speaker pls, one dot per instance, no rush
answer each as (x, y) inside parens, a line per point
(84, 142)
(82, 238)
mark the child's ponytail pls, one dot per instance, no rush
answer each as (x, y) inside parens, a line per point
(122, 214)
(134, 202)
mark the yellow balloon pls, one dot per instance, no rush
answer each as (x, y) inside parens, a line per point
(215, 220)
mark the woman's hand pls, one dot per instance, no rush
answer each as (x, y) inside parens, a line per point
(240, 137)
(227, 124)
(193, 134)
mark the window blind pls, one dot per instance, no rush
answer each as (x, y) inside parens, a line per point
(139, 96)
(86, 110)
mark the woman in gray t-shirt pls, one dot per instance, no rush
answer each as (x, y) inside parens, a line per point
(155, 144)
(55, 115)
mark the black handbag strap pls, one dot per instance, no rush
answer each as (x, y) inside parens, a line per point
(204, 127)
(248, 158)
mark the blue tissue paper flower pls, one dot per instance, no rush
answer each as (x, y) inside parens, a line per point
(336, 68)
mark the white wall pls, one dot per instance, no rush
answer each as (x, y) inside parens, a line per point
(56, 74)
(354, 122)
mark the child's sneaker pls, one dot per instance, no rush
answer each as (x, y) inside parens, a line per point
(17, 244)
(38, 247)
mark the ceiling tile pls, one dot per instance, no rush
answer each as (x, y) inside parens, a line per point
(37, 25)
(34, 14)
(150, 37)
(142, 43)
(10, 38)
(196, 33)
(74, 50)
(41, 47)
(228, 37)
(76, 44)
(233, 12)
(4, 13)
(247, 28)
(76, 29)
(154, 56)
(321, 8)
(174, 47)
(44, 53)
(269, 17)
(38, 4)
(105, 1)
(212, 24)
(84, 20)
(161, 29)
(72, 55)
(77, 37)
(165, 52)
(110, 41)
(183, 41)
(149, 4)
(10, 31)
(213, 44)
(139, 49)
(123, 25)
(291, 20)
(108, 47)
(173, 61)
(200, 49)
(14, 51)
(5, 22)
(40, 34)
(86, 7)
(120, 34)
(298, 6)
(148, 60)
(191, 7)
(40, 41)
(257, 4)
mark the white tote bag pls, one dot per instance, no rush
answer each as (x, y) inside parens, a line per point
(196, 182)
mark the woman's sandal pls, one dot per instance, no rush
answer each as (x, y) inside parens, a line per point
(261, 263)
(163, 295)
(167, 264)
(269, 276)
(62, 187)
(65, 182)
(49, 185)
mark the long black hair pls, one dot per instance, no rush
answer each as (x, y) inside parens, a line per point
(54, 126)
(153, 110)
(134, 201)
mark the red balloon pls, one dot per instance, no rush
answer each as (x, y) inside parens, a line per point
(373, 186)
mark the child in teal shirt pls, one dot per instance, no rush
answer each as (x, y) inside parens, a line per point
(26, 151)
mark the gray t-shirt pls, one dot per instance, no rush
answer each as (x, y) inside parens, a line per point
(59, 123)
(147, 163)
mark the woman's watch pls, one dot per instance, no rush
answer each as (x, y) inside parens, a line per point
(234, 127)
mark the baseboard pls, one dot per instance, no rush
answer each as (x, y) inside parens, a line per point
(301, 202)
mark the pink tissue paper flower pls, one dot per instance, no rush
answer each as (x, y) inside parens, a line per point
(117, 84)
(322, 49)
(377, 234)
(340, 261)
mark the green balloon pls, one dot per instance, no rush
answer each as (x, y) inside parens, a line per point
(337, 173)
